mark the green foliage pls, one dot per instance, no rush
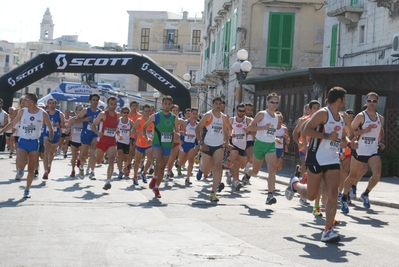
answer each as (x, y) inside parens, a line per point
(390, 163)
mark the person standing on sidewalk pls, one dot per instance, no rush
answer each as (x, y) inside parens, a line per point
(211, 133)
(326, 131)
(370, 133)
(165, 131)
(265, 124)
(107, 136)
(31, 119)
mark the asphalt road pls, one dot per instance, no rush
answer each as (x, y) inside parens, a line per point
(74, 222)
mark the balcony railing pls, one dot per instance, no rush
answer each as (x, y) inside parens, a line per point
(169, 47)
(345, 10)
(192, 48)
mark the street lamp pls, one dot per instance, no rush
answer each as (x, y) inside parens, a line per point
(241, 68)
(187, 78)
(156, 95)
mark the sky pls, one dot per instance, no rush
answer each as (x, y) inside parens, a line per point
(94, 22)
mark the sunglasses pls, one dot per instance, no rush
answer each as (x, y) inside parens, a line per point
(125, 112)
(273, 102)
(239, 110)
(26, 99)
(372, 101)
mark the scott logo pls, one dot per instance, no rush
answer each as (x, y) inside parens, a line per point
(62, 63)
(25, 74)
(145, 66)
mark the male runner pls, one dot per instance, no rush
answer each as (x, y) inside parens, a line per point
(63, 144)
(125, 127)
(106, 136)
(133, 116)
(165, 130)
(76, 131)
(31, 119)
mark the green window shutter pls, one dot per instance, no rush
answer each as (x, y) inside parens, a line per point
(354, 3)
(176, 40)
(234, 29)
(218, 42)
(333, 48)
(227, 45)
(280, 39)
(213, 47)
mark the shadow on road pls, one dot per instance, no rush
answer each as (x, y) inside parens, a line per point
(90, 195)
(11, 203)
(325, 251)
(258, 213)
(74, 187)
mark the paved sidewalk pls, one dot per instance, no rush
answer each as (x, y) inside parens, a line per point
(383, 194)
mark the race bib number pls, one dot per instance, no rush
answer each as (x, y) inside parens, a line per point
(89, 126)
(216, 129)
(166, 137)
(271, 131)
(77, 130)
(29, 129)
(332, 145)
(240, 136)
(189, 137)
(111, 132)
(124, 131)
(368, 141)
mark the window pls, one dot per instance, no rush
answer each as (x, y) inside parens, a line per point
(16, 59)
(37, 91)
(354, 3)
(32, 54)
(226, 47)
(213, 47)
(333, 49)
(280, 39)
(7, 62)
(48, 90)
(361, 34)
(196, 37)
(170, 36)
(145, 39)
(234, 29)
(26, 90)
(142, 85)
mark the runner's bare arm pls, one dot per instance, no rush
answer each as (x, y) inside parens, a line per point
(13, 122)
(253, 125)
(145, 126)
(96, 122)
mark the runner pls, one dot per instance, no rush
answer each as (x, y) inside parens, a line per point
(238, 144)
(9, 137)
(282, 139)
(107, 136)
(50, 145)
(265, 124)
(326, 129)
(88, 137)
(143, 145)
(212, 132)
(125, 127)
(249, 113)
(63, 144)
(133, 116)
(165, 130)
(31, 119)
(370, 133)
(76, 131)
(190, 146)
(3, 121)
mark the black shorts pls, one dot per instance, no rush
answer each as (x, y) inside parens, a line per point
(41, 147)
(8, 134)
(250, 144)
(124, 147)
(241, 152)
(63, 135)
(211, 150)
(364, 159)
(77, 145)
(314, 168)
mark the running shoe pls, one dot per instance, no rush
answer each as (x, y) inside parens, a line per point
(156, 192)
(270, 199)
(249, 165)
(107, 186)
(213, 197)
(135, 181)
(120, 175)
(366, 201)
(303, 201)
(19, 175)
(179, 170)
(290, 192)
(92, 176)
(237, 185)
(330, 236)
(228, 178)
(143, 178)
(317, 212)
(344, 206)
(171, 174)
(72, 174)
(36, 173)
(199, 174)
(166, 179)
(152, 183)
(220, 187)
(10, 156)
(45, 176)
(187, 181)
(352, 192)
(26, 193)
(245, 180)
(81, 173)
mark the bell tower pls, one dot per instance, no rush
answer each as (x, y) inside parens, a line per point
(47, 27)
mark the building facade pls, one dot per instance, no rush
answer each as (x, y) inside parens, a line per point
(279, 36)
(172, 40)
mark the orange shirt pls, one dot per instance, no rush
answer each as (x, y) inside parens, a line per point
(141, 141)
(134, 118)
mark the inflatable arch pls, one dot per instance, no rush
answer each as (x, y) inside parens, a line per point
(94, 62)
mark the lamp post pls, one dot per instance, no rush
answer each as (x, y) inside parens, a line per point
(156, 95)
(241, 68)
